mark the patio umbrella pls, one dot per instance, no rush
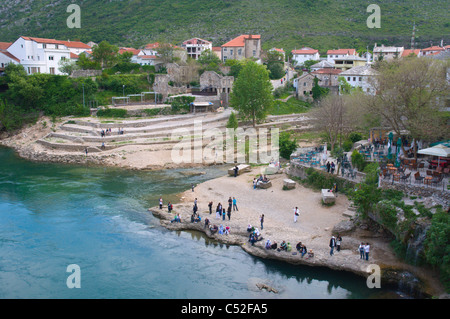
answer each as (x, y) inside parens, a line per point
(399, 147)
(439, 150)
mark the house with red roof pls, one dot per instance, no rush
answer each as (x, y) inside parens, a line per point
(194, 47)
(218, 52)
(40, 55)
(245, 46)
(299, 57)
(432, 50)
(408, 52)
(339, 53)
(6, 57)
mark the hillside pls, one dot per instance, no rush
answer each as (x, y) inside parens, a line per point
(322, 24)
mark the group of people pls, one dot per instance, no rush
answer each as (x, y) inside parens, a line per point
(221, 230)
(261, 179)
(364, 249)
(222, 212)
(103, 133)
(254, 236)
(330, 167)
(335, 242)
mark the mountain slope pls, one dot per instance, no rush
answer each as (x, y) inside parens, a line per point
(322, 24)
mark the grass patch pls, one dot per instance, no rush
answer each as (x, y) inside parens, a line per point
(291, 106)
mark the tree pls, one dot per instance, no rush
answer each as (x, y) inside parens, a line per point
(105, 54)
(252, 92)
(85, 63)
(232, 121)
(307, 64)
(276, 70)
(208, 57)
(410, 96)
(165, 52)
(287, 144)
(67, 66)
(318, 92)
(332, 118)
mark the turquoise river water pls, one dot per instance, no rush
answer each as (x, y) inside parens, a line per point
(53, 216)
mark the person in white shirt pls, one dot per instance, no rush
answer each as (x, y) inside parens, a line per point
(296, 214)
(366, 250)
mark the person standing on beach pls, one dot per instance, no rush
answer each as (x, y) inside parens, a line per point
(261, 219)
(234, 204)
(210, 207)
(361, 251)
(296, 214)
(367, 250)
(332, 245)
(229, 212)
(338, 242)
(223, 214)
(192, 186)
(160, 203)
(230, 202)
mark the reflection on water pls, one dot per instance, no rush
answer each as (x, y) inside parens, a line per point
(52, 216)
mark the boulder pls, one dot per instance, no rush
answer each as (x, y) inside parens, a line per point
(328, 196)
(288, 183)
(243, 168)
(264, 185)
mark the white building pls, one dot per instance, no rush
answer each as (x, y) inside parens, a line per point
(39, 55)
(388, 53)
(194, 47)
(299, 57)
(362, 77)
(340, 53)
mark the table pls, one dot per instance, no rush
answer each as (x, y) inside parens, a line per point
(427, 180)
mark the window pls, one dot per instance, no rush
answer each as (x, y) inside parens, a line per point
(348, 78)
(254, 52)
(239, 51)
(44, 46)
(52, 70)
(224, 49)
(51, 58)
(360, 79)
(63, 58)
(231, 51)
(354, 79)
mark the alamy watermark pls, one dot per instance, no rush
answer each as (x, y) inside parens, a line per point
(74, 20)
(374, 279)
(374, 20)
(74, 280)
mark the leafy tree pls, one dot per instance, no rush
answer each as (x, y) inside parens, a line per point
(67, 66)
(165, 52)
(105, 54)
(232, 121)
(318, 92)
(208, 57)
(252, 92)
(287, 144)
(86, 63)
(307, 64)
(276, 70)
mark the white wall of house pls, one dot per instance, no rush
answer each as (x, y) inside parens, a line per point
(362, 81)
(5, 60)
(39, 57)
(300, 59)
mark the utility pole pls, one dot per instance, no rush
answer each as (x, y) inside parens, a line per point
(83, 97)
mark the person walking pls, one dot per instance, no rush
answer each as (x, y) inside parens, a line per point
(234, 204)
(328, 167)
(338, 242)
(296, 214)
(361, 251)
(367, 250)
(210, 207)
(332, 245)
(261, 219)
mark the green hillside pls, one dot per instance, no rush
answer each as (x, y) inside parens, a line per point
(322, 24)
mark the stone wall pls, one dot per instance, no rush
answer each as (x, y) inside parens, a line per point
(85, 73)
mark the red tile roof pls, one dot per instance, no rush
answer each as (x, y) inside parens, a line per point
(42, 40)
(76, 44)
(240, 40)
(342, 51)
(4, 45)
(408, 52)
(9, 55)
(216, 48)
(132, 50)
(308, 51)
(433, 48)
(196, 41)
(147, 57)
(73, 56)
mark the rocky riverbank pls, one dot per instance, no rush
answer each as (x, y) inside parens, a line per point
(315, 226)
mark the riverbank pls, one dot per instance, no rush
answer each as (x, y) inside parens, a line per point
(314, 228)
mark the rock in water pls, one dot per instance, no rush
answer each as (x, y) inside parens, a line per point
(268, 288)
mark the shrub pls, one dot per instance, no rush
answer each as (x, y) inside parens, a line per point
(232, 121)
(355, 137)
(347, 145)
(287, 145)
(112, 113)
(358, 160)
(180, 103)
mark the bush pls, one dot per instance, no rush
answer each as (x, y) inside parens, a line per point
(232, 121)
(180, 103)
(355, 137)
(358, 160)
(112, 113)
(287, 145)
(347, 145)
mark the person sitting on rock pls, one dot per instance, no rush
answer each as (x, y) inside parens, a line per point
(274, 245)
(213, 229)
(299, 247)
(268, 244)
(227, 230)
(288, 247)
(310, 254)
(283, 246)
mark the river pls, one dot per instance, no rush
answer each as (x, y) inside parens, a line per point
(54, 215)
